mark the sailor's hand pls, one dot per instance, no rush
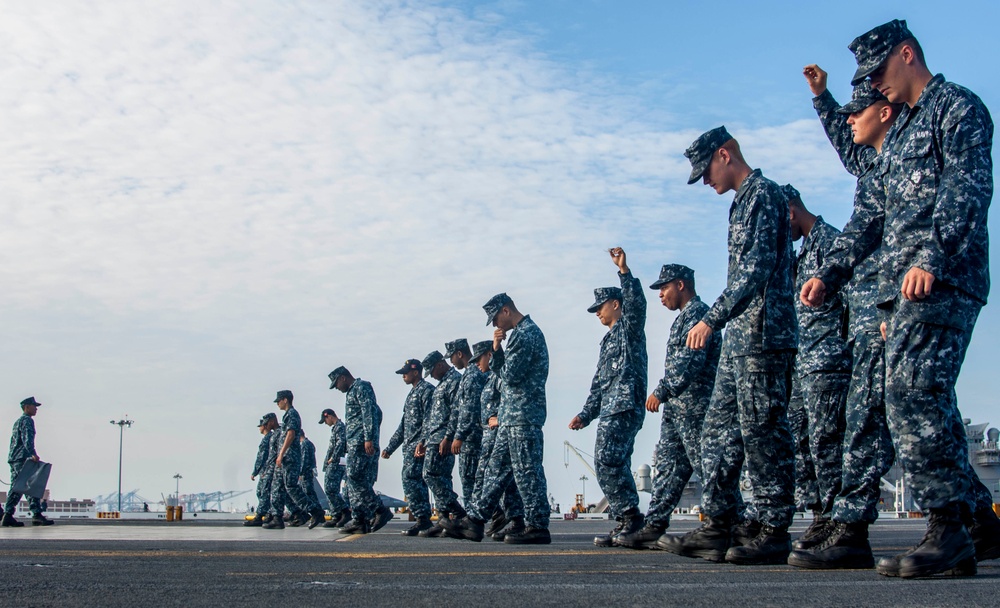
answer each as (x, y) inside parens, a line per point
(420, 451)
(618, 257)
(444, 447)
(253, 478)
(917, 284)
(493, 422)
(813, 293)
(698, 337)
(499, 336)
(881, 329)
(576, 424)
(816, 78)
(456, 446)
(653, 404)
(385, 454)
(369, 448)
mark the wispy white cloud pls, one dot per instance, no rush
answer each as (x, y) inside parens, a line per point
(206, 203)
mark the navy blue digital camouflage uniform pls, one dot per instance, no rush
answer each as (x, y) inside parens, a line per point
(618, 397)
(22, 449)
(510, 501)
(416, 408)
(274, 445)
(363, 417)
(334, 471)
(523, 370)
(285, 488)
(684, 393)
(264, 469)
(867, 449)
(937, 168)
(747, 417)
(806, 492)
(822, 367)
(440, 425)
(468, 428)
(307, 475)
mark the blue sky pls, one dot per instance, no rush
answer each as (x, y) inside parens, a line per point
(206, 204)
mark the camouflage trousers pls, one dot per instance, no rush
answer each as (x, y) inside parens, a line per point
(468, 464)
(825, 396)
(437, 473)
(867, 448)
(613, 460)
(520, 462)
(34, 504)
(922, 363)
(679, 446)
(308, 486)
(331, 487)
(510, 501)
(285, 488)
(806, 492)
(362, 473)
(747, 420)
(414, 486)
(264, 491)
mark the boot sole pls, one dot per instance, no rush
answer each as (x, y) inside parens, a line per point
(809, 561)
(712, 555)
(780, 559)
(965, 567)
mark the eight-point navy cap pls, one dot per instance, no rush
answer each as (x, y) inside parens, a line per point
(432, 359)
(30, 401)
(603, 294)
(454, 346)
(495, 304)
(672, 272)
(700, 152)
(872, 48)
(337, 373)
(283, 395)
(481, 348)
(863, 96)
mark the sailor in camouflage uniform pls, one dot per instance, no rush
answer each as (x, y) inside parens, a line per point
(617, 395)
(867, 447)
(307, 481)
(522, 370)
(822, 364)
(363, 417)
(508, 514)
(263, 467)
(806, 492)
(288, 466)
(416, 408)
(435, 445)
(684, 392)
(340, 511)
(22, 449)
(747, 417)
(933, 281)
(468, 441)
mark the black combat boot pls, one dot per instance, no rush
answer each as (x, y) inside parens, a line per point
(710, 541)
(845, 548)
(643, 539)
(465, 528)
(356, 526)
(770, 546)
(514, 526)
(815, 534)
(437, 529)
(382, 516)
(606, 540)
(985, 533)
(632, 523)
(275, 523)
(296, 520)
(530, 536)
(8, 521)
(745, 532)
(946, 548)
(344, 518)
(256, 522)
(422, 523)
(40, 520)
(497, 522)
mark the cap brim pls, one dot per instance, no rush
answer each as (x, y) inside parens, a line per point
(595, 306)
(865, 70)
(489, 318)
(402, 371)
(277, 400)
(856, 105)
(659, 284)
(698, 170)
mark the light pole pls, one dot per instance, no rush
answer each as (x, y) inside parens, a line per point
(177, 494)
(125, 422)
(584, 479)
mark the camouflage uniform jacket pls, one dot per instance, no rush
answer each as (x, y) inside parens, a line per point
(859, 161)
(22, 440)
(490, 399)
(619, 385)
(470, 392)
(756, 306)
(443, 418)
(686, 371)
(338, 444)
(822, 345)
(308, 458)
(362, 415)
(937, 168)
(262, 454)
(523, 369)
(275, 439)
(416, 408)
(291, 421)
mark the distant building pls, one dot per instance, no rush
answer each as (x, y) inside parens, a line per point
(56, 508)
